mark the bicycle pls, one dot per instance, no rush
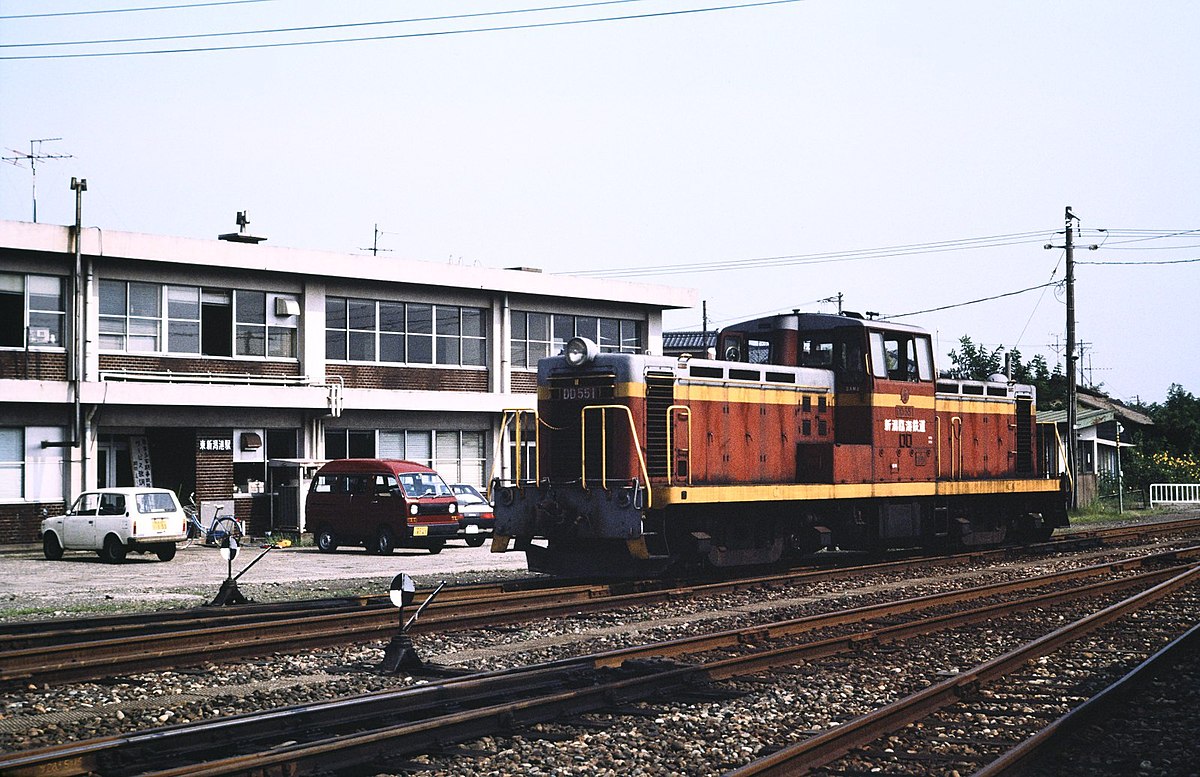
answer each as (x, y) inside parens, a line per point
(218, 529)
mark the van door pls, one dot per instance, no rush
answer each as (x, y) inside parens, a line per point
(79, 525)
(388, 507)
(358, 521)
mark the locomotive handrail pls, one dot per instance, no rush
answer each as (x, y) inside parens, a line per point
(956, 425)
(637, 444)
(514, 414)
(687, 412)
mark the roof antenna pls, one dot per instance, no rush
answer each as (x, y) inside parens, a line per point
(33, 156)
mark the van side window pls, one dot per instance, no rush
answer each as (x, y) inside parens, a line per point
(86, 504)
(112, 504)
(329, 484)
(360, 484)
(385, 485)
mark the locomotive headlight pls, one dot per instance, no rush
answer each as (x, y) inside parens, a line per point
(579, 351)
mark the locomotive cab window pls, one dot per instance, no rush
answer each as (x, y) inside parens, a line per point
(901, 356)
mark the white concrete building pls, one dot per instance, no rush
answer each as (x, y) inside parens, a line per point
(192, 364)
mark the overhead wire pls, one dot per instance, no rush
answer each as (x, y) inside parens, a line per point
(321, 27)
(411, 35)
(99, 11)
(887, 252)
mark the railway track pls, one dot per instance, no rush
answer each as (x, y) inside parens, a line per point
(372, 731)
(47, 652)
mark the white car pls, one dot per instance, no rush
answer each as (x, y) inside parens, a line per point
(116, 521)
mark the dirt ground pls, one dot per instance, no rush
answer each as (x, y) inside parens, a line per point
(29, 584)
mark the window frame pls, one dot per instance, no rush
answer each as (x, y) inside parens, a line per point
(422, 334)
(625, 335)
(38, 317)
(169, 325)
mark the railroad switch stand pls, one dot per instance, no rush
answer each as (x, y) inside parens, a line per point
(400, 655)
(229, 592)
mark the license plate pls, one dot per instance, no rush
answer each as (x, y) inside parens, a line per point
(472, 529)
(160, 524)
(420, 531)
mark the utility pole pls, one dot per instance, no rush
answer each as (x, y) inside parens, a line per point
(78, 319)
(33, 156)
(1072, 410)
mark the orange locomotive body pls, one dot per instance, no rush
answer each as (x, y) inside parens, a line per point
(814, 431)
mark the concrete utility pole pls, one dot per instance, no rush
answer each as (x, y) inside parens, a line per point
(1072, 411)
(78, 318)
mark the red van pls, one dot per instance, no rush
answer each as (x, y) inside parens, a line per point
(382, 504)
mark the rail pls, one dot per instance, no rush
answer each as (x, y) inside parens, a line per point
(637, 444)
(1174, 494)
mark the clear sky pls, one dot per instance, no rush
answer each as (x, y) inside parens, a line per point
(687, 145)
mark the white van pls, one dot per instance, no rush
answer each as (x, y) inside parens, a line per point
(116, 521)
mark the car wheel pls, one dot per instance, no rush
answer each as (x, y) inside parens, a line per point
(476, 541)
(165, 552)
(326, 540)
(436, 547)
(385, 543)
(51, 547)
(113, 552)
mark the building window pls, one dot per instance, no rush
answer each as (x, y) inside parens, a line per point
(349, 444)
(29, 470)
(210, 322)
(404, 333)
(32, 311)
(537, 335)
(459, 456)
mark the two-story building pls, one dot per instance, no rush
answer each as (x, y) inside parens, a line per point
(227, 368)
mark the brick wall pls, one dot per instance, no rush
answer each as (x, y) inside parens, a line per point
(20, 523)
(524, 382)
(33, 365)
(411, 378)
(214, 469)
(133, 363)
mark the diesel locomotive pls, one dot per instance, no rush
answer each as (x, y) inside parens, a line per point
(813, 432)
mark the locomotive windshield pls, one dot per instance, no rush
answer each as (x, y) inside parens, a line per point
(901, 356)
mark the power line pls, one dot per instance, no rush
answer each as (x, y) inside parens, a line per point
(401, 36)
(887, 252)
(319, 27)
(1165, 261)
(974, 301)
(131, 10)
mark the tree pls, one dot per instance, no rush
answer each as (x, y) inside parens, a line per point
(975, 362)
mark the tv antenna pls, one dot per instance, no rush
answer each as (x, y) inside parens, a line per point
(375, 249)
(34, 156)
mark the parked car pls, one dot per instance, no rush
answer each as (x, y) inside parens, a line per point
(381, 504)
(475, 516)
(117, 521)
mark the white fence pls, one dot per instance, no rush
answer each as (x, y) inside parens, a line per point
(1174, 493)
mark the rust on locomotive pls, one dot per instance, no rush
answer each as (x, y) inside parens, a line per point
(813, 431)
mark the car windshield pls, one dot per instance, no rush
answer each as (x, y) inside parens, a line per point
(468, 494)
(155, 503)
(420, 484)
